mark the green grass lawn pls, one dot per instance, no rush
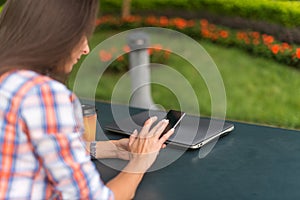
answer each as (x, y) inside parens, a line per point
(258, 90)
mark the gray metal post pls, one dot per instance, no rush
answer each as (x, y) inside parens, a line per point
(140, 70)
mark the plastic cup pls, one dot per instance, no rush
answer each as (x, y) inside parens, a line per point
(89, 120)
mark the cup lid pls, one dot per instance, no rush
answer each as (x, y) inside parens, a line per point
(88, 109)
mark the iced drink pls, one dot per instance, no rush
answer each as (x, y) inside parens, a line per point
(89, 120)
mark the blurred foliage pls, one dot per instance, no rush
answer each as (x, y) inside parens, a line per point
(258, 89)
(257, 43)
(286, 13)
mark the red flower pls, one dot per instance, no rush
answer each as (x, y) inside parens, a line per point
(126, 49)
(157, 47)
(150, 51)
(107, 19)
(154, 48)
(180, 23)
(167, 53)
(298, 53)
(203, 22)
(275, 49)
(255, 35)
(285, 47)
(132, 19)
(120, 59)
(191, 23)
(151, 20)
(224, 34)
(105, 56)
(205, 33)
(256, 42)
(268, 39)
(241, 35)
(98, 22)
(163, 21)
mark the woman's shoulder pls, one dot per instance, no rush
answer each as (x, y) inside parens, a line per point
(36, 80)
(26, 82)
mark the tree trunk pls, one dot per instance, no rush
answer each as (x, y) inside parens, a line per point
(126, 8)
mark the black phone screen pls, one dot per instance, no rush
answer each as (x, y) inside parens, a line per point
(174, 118)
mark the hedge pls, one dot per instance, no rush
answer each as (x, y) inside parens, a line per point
(253, 42)
(286, 13)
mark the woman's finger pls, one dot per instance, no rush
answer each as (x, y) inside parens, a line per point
(157, 126)
(152, 131)
(147, 125)
(166, 136)
(133, 137)
(160, 129)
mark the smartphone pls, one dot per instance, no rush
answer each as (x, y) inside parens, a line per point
(174, 118)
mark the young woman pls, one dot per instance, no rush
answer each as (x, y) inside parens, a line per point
(42, 156)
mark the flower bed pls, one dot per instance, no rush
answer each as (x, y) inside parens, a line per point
(254, 42)
(157, 54)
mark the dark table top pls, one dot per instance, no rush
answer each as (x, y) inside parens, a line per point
(252, 162)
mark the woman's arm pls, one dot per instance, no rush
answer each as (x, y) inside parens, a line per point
(54, 125)
(144, 148)
(111, 149)
(125, 184)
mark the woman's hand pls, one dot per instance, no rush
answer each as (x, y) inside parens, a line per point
(139, 147)
(112, 149)
(121, 149)
(145, 146)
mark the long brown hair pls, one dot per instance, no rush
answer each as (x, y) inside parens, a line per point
(41, 34)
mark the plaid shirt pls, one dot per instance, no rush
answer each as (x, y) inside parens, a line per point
(42, 154)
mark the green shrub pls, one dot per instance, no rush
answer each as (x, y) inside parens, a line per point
(114, 6)
(286, 13)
